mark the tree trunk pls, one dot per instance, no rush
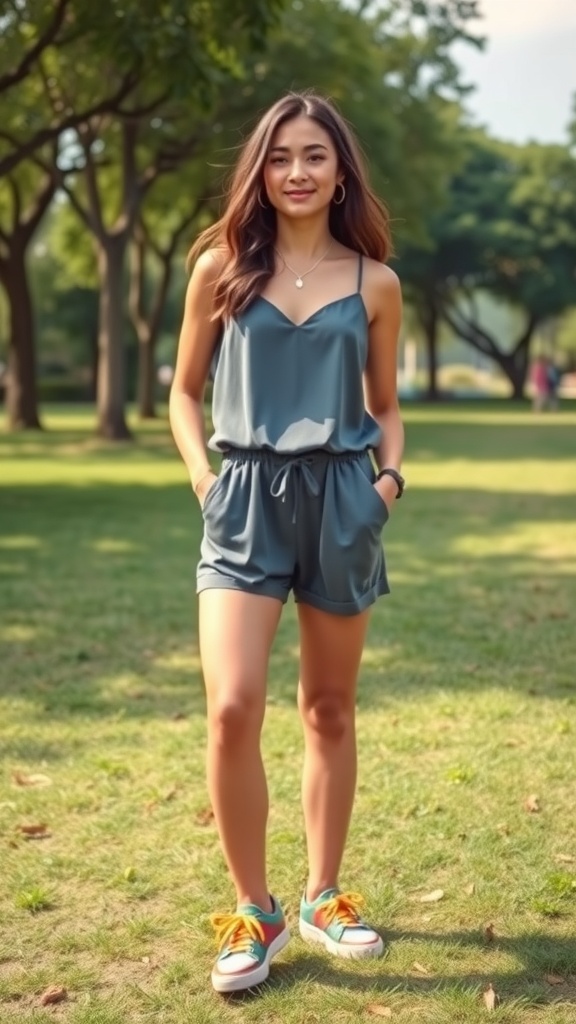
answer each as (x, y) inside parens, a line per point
(146, 380)
(21, 389)
(111, 356)
(515, 367)
(513, 364)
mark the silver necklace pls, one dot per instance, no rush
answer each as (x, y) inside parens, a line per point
(300, 277)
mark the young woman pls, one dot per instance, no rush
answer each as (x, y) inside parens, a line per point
(291, 306)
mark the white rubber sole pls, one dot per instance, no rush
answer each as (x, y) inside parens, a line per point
(310, 933)
(249, 979)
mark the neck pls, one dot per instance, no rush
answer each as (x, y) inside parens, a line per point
(305, 240)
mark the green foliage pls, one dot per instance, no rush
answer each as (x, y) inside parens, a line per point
(508, 227)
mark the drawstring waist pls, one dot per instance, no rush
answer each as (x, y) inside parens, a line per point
(292, 469)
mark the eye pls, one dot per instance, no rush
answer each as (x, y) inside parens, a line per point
(278, 160)
(317, 157)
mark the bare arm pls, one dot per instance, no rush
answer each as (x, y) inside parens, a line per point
(380, 374)
(198, 337)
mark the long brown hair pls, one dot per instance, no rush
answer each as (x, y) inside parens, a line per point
(247, 229)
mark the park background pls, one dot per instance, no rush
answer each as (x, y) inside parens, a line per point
(119, 123)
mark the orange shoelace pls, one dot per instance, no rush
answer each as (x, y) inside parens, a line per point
(237, 932)
(343, 909)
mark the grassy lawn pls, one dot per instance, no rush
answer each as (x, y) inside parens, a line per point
(466, 715)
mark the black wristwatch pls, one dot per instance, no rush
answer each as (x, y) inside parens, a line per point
(400, 481)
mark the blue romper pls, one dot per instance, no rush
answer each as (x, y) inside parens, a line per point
(294, 507)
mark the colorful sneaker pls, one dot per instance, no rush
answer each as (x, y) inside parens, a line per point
(333, 920)
(247, 940)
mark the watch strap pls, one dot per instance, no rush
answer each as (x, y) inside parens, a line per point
(396, 476)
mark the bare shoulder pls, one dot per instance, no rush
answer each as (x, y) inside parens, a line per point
(208, 266)
(381, 278)
(382, 290)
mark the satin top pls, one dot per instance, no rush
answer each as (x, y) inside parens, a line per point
(290, 387)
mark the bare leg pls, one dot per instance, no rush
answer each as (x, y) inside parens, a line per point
(331, 648)
(236, 634)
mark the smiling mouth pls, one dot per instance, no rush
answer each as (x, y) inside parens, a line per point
(300, 192)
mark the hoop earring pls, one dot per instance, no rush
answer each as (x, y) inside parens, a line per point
(338, 202)
(265, 206)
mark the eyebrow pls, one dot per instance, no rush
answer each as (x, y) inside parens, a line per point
(286, 149)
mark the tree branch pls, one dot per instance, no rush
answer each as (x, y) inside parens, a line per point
(136, 286)
(16, 201)
(41, 203)
(131, 191)
(22, 150)
(472, 333)
(84, 214)
(12, 78)
(95, 221)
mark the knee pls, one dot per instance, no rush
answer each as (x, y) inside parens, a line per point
(233, 719)
(330, 715)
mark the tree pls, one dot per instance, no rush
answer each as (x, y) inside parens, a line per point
(22, 207)
(172, 215)
(150, 58)
(509, 227)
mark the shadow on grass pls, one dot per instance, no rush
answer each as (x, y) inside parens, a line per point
(540, 955)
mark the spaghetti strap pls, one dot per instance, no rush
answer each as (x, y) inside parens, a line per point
(359, 285)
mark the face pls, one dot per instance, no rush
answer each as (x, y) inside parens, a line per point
(301, 170)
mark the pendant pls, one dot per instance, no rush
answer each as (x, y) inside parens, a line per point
(299, 282)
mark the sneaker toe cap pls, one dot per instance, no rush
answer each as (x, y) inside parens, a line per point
(236, 963)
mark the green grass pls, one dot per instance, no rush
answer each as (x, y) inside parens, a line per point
(467, 707)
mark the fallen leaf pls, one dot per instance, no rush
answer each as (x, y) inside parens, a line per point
(489, 933)
(171, 793)
(470, 889)
(21, 779)
(433, 897)
(54, 994)
(34, 831)
(532, 804)
(420, 968)
(205, 816)
(564, 858)
(378, 1010)
(490, 998)
(554, 979)
(145, 959)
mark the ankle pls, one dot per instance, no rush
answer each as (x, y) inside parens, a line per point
(257, 898)
(312, 892)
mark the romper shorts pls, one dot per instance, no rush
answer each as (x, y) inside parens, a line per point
(310, 523)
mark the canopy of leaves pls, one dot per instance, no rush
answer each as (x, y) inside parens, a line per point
(509, 227)
(76, 57)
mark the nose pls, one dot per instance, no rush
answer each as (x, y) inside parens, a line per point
(297, 171)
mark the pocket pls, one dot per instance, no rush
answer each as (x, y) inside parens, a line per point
(366, 487)
(213, 492)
